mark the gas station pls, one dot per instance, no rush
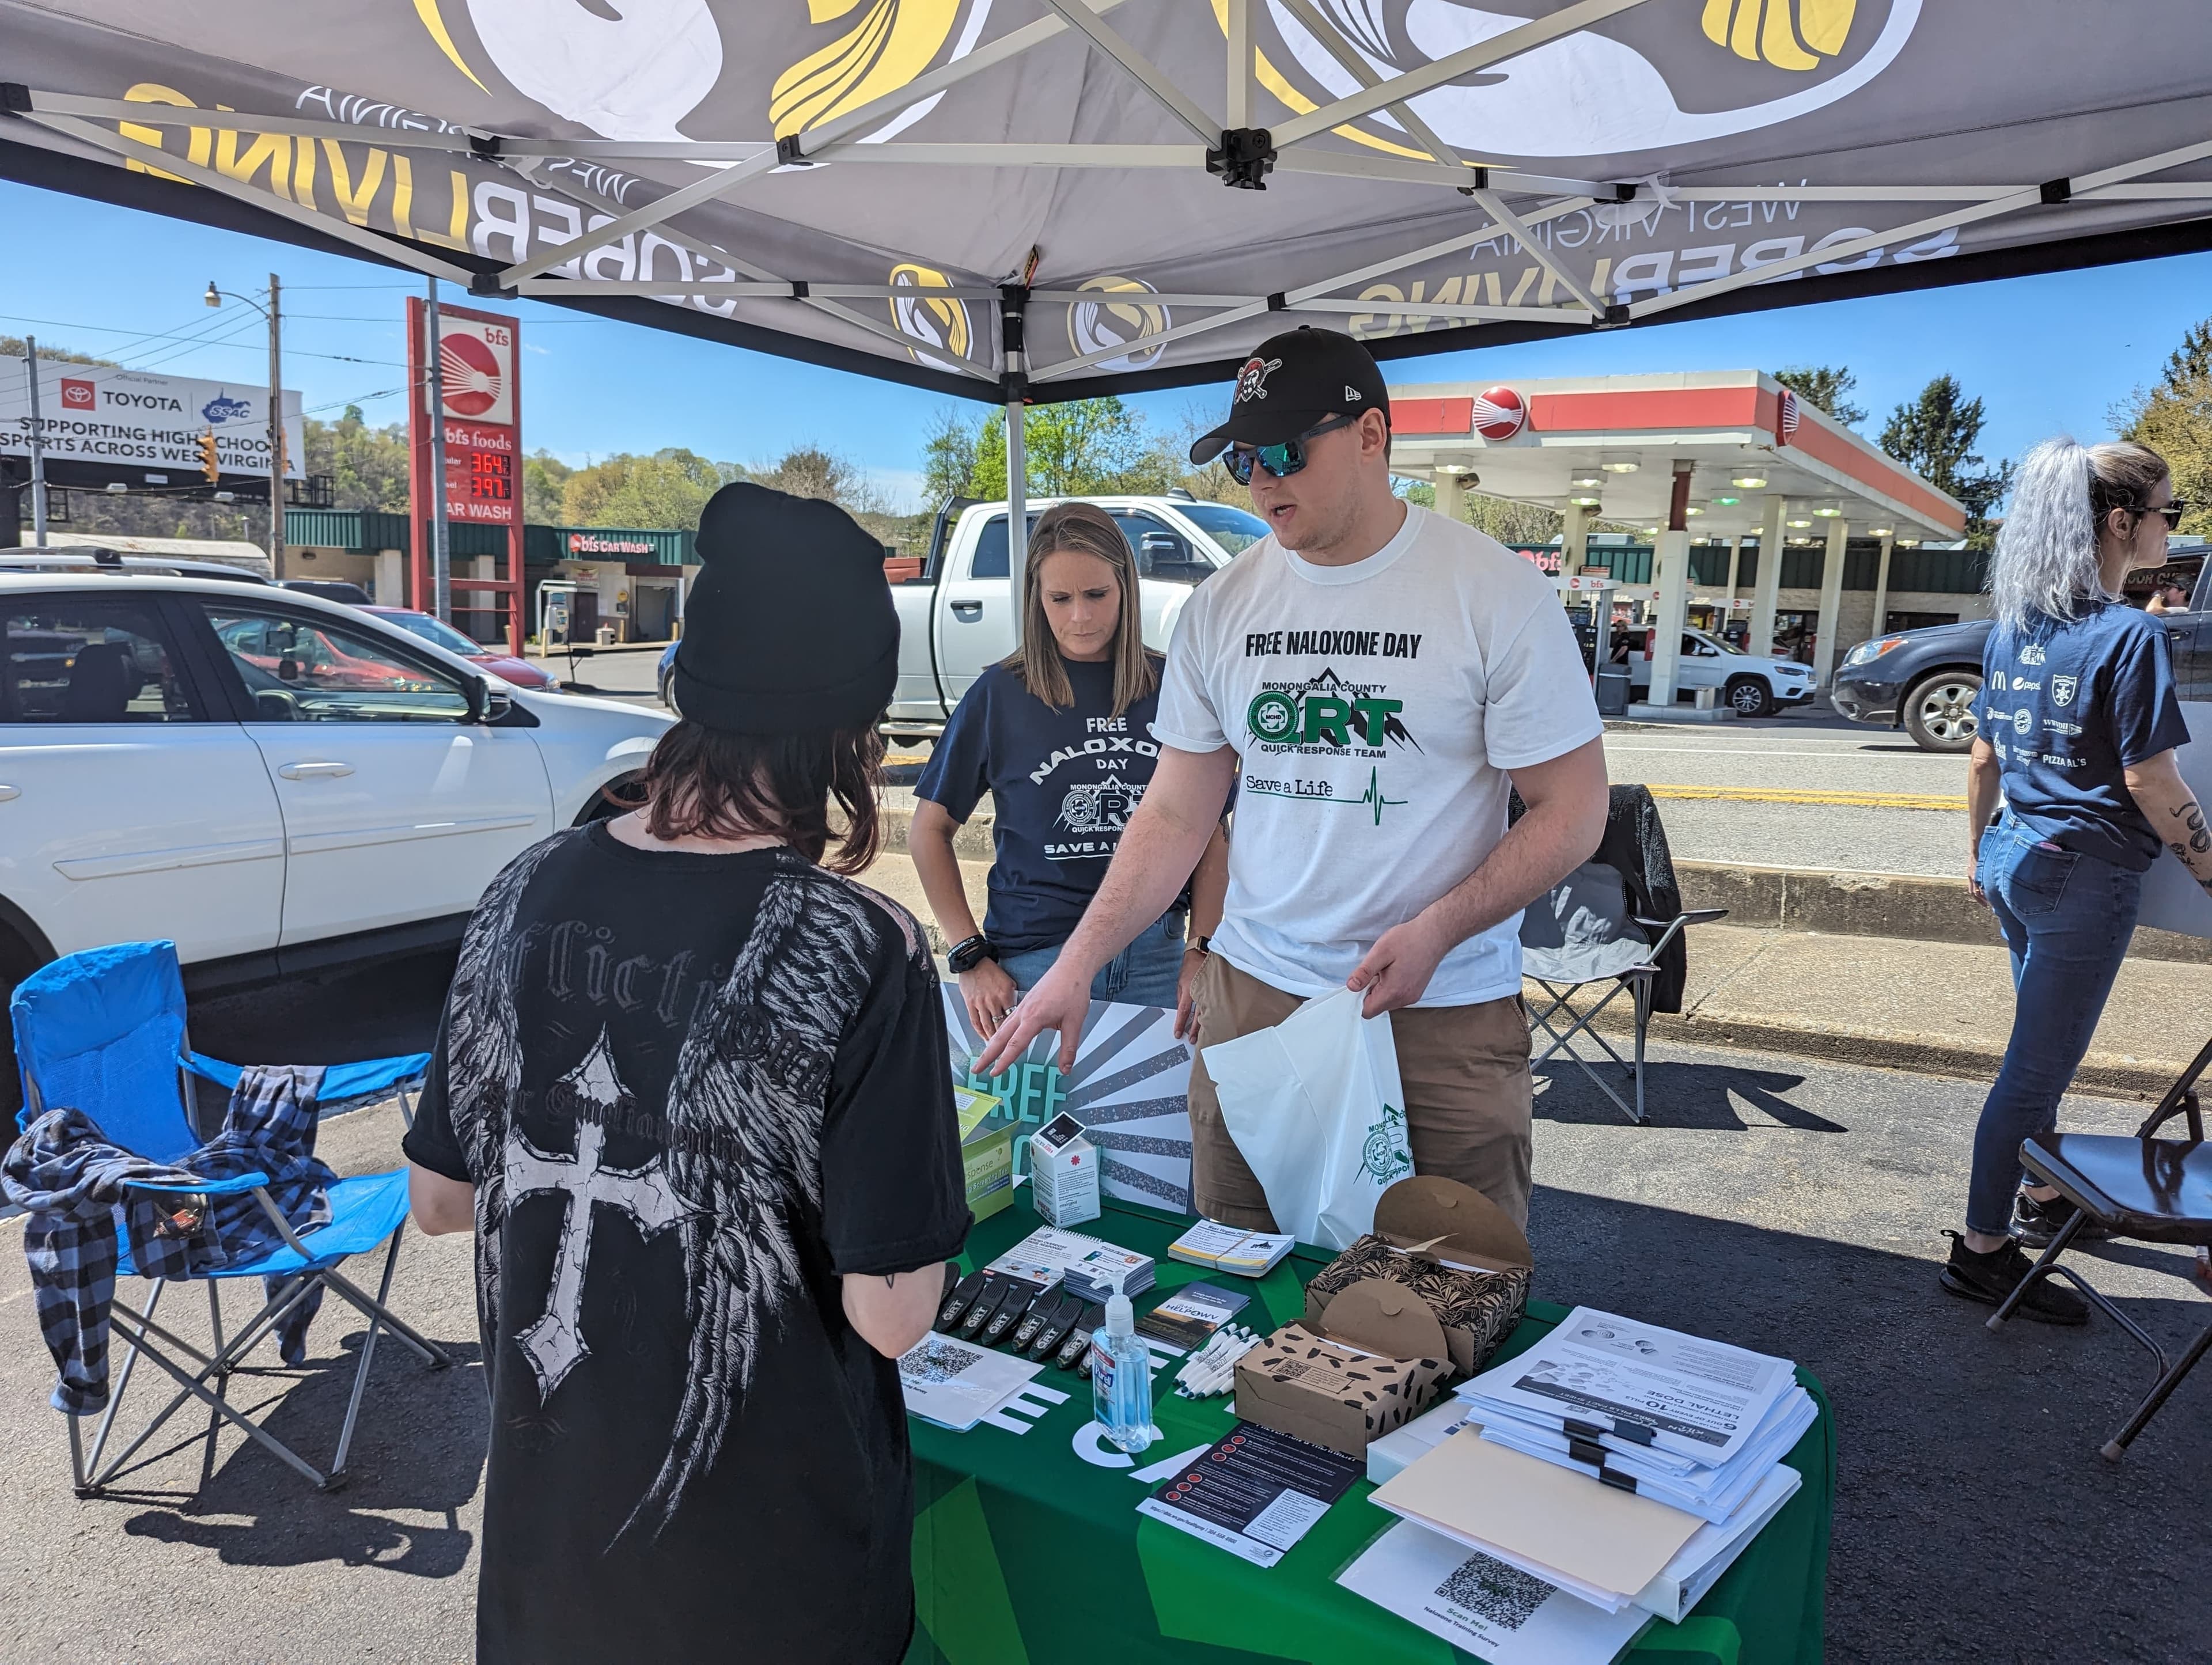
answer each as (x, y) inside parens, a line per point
(1696, 461)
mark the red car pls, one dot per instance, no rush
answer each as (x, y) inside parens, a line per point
(520, 672)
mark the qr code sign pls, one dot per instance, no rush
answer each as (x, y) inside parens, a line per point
(937, 1360)
(1487, 1587)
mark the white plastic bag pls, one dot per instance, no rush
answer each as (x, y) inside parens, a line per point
(1316, 1108)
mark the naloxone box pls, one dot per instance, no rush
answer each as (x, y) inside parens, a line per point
(1451, 1245)
(987, 1154)
(1369, 1364)
(1063, 1173)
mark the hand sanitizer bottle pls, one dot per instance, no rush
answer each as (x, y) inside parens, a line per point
(1121, 1379)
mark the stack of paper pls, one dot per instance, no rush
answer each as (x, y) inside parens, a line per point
(1684, 1421)
(1231, 1248)
(956, 1383)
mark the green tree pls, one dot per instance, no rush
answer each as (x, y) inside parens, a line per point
(2174, 418)
(544, 476)
(1827, 385)
(366, 466)
(1935, 435)
(11, 346)
(948, 458)
(666, 489)
(1080, 448)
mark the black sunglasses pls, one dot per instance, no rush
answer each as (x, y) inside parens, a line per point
(1279, 460)
(2173, 511)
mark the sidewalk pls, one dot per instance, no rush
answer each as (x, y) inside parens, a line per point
(1940, 1007)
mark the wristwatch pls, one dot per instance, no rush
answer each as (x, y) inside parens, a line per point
(967, 955)
(1203, 944)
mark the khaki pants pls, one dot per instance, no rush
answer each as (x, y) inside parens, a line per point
(1465, 1069)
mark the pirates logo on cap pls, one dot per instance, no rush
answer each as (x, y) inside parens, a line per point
(1252, 380)
(1126, 320)
(1499, 413)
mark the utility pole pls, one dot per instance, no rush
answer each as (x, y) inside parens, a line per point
(38, 445)
(276, 434)
(441, 556)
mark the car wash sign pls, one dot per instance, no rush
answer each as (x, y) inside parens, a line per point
(97, 413)
(1130, 1089)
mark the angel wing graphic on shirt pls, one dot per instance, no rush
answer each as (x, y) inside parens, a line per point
(483, 1056)
(744, 1116)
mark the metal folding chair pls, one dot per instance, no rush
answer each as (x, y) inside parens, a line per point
(1586, 935)
(104, 1031)
(2153, 1189)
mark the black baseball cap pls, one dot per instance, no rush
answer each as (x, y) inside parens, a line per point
(1294, 381)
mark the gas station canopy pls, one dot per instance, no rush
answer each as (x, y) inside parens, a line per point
(1043, 199)
(1609, 449)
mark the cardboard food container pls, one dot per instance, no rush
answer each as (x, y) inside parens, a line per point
(1369, 1365)
(1426, 1228)
(987, 1154)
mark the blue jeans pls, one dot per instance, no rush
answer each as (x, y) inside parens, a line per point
(1143, 974)
(2067, 919)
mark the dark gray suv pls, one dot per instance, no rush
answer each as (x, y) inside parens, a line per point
(1925, 681)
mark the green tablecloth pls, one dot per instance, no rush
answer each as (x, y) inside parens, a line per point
(1025, 1554)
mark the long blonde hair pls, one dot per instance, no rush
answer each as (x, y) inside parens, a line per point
(1082, 529)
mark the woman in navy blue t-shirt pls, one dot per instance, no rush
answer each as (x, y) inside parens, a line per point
(1059, 733)
(2077, 726)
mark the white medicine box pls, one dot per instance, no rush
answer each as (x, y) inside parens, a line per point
(1064, 1173)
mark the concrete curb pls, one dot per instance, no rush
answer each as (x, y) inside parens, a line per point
(2109, 1075)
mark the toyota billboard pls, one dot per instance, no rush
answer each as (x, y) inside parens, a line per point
(97, 414)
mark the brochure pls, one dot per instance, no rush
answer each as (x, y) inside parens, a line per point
(1254, 1493)
(956, 1383)
(1233, 1249)
(1479, 1603)
(1187, 1320)
(1701, 1398)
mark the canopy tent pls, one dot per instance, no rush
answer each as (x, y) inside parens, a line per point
(1044, 199)
(1051, 198)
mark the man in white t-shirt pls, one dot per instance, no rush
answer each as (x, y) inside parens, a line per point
(1377, 680)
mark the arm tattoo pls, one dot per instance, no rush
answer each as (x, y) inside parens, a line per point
(2192, 819)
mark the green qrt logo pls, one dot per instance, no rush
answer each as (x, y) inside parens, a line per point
(1279, 718)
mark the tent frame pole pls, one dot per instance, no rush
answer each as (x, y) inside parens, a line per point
(1013, 304)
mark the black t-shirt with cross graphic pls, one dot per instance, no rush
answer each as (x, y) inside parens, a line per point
(692, 1092)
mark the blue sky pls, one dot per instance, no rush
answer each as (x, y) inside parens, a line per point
(2047, 354)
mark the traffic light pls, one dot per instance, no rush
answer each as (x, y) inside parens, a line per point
(209, 466)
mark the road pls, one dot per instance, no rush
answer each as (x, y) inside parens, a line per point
(1806, 790)
(1783, 1205)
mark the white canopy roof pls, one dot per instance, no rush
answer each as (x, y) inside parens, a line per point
(1149, 187)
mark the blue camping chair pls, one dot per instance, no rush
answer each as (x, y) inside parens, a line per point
(104, 1031)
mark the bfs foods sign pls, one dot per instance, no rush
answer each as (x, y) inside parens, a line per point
(477, 366)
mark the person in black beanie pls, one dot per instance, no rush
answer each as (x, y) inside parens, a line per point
(692, 1093)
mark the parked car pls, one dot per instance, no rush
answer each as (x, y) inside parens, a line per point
(84, 558)
(431, 628)
(955, 613)
(1925, 681)
(331, 589)
(1750, 686)
(172, 766)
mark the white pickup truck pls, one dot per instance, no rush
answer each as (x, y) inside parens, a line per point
(957, 616)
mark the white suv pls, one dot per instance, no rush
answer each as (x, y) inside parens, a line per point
(1749, 685)
(277, 782)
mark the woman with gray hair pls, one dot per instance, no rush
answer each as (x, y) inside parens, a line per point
(2078, 725)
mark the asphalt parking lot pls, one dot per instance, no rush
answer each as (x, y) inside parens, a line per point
(1783, 1205)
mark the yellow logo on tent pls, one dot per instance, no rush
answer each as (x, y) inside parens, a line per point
(1759, 29)
(894, 42)
(1096, 326)
(1662, 89)
(936, 323)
